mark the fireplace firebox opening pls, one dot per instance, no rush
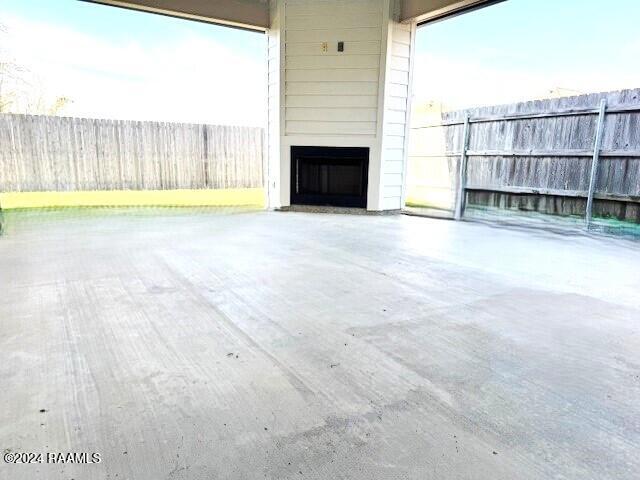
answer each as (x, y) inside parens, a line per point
(334, 176)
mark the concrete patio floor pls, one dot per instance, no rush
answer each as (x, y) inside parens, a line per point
(183, 344)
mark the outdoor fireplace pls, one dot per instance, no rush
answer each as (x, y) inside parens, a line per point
(335, 176)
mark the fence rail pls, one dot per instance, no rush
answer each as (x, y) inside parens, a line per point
(533, 115)
(44, 153)
(540, 148)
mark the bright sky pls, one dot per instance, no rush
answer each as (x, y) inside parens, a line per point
(115, 63)
(521, 49)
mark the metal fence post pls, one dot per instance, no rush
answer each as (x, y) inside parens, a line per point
(462, 171)
(597, 144)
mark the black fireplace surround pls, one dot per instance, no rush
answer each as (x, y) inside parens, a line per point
(335, 176)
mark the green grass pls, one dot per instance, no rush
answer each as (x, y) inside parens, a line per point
(253, 197)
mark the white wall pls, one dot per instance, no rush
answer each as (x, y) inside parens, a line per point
(275, 49)
(396, 114)
(332, 93)
(339, 99)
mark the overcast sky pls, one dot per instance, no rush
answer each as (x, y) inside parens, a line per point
(115, 63)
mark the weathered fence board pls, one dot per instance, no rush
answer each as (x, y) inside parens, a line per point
(43, 153)
(544, 146)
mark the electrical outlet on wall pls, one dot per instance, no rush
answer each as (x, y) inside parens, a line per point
(324, 47)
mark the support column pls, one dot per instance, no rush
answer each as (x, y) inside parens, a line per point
(593, 177)
(340, 76)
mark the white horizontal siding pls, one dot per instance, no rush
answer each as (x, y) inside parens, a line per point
(332, 61)
(332, 114)
(396, 90)
(392, 179)
(389, 191)
(392, 203)
(396, 106)
(334, 96)
(332, 101)
(400, 50)
(399, 63)
(401, 36)
(332, 93)
(328, 20)
(395, 116)
(334, 35)
(400, 77)
(392, 142)
(351, 48)
(330, 128)
(273, 111)
(394, 129)
(332, 88)
(333, 75)
(392, 154)
(394, 167)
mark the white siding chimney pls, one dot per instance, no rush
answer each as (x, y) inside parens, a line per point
(319, 96)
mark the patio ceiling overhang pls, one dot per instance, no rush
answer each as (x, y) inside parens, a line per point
(254, 14)
(423, 11)
(246, 14)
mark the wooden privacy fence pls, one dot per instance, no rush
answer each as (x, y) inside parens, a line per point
(43, 153)
(584, 150)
